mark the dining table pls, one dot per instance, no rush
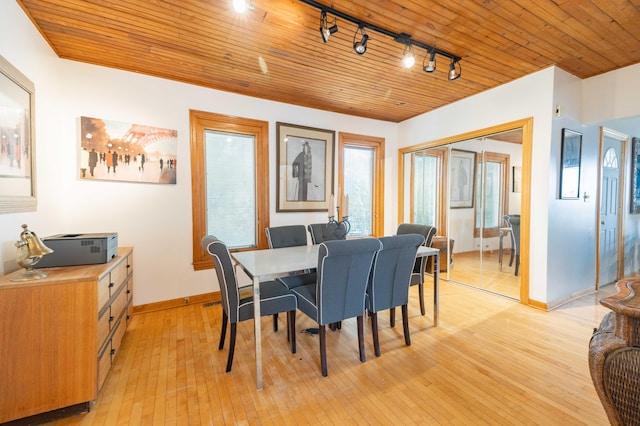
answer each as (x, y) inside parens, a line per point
(269, 264)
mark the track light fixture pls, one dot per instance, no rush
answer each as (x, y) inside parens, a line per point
(454, 72)
(360, 46)
(325, 29)
(241, 6)
(408, 57)
(431, 65)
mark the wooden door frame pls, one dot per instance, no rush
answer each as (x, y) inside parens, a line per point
(623, 139)
(377, 144)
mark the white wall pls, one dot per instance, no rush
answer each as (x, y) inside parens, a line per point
(155, 219)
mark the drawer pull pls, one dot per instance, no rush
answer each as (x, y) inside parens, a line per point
(113, 351)
(128, 291)
(111, 285)
(111, 318)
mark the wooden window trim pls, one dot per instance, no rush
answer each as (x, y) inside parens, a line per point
(503, 159)
(200, 121)
(377, 145)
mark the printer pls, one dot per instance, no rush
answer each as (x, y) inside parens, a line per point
(79, 249)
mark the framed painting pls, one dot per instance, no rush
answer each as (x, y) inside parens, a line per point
(304, 168)
(17, 142)
(570, 153)
(127, 152)
(463, 171)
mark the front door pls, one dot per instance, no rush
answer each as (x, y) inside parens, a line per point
(611, 184)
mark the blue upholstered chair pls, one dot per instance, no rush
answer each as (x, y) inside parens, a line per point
(321, 232)
(514, 224)
(290, 236)
(420, 265)
(274, 297)
(286, 236)
(339, 292)
(389, 282)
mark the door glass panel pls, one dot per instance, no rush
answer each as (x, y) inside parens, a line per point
(425, 189)
(358, 185)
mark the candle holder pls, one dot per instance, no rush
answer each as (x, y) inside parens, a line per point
(339, 229)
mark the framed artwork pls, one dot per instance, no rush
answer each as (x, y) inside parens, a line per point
(17, 142)
(126, 152)
(517, 179)
(570, 165)
(304, 168)
(635, 176)
(463, 171)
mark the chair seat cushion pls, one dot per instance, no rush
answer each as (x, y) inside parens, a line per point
(306, 295)
(274, 298)
(293, 281)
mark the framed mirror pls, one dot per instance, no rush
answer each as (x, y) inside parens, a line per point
(570, 165)
(17, 157)
(635, 176)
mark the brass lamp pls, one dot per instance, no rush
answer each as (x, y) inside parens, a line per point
(30, 251)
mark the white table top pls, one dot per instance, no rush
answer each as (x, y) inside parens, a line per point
(273, 263)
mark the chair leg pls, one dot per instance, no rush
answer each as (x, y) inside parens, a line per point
(361, 338)
(291, 329)
(374, 333)
(275, 322)
(517, 264)
(232, 345)
(392, 317)
(421, 293)
(405, 324)
(223, 331)
(322, 333)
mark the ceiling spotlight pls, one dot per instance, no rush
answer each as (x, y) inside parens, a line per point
(431, 65)
(454, 72)
(241, 6)
(325, 29)
(360, 46)
(408, 58)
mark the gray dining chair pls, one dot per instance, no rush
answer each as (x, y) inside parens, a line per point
(321, 232)
(290, 236)
(339, 291)
(420, 265)
(274, 297)
(388, 285)
(514, 223)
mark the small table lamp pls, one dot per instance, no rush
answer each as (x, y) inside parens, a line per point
(30, 251)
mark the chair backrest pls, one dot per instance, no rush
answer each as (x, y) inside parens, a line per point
(427, 231)
(391, 273)
(286, 236)
(321, 232)
(343, 273)
(226, 275)
(514, 223)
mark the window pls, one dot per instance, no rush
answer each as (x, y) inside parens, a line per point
(361, 170)
(230, 182)
(492, 185)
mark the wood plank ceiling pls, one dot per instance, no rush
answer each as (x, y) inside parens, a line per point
(275, 50)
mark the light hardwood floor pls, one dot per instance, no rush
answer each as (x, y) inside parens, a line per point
(491, 361)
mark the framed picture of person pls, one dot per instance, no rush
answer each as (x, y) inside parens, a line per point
(304, 172)
(463, 171)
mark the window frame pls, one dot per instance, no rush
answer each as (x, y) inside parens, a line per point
(504, 161)
(377, 145)
(199, 122)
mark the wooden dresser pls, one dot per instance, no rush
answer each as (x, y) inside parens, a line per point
(60, 334)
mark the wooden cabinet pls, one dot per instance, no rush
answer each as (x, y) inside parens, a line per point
(60, 334)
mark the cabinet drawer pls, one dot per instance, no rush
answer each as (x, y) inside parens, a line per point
(119, 304)
(119, 274)
(116, 340)
(104, 291)
(104, 364)
(104, 327)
